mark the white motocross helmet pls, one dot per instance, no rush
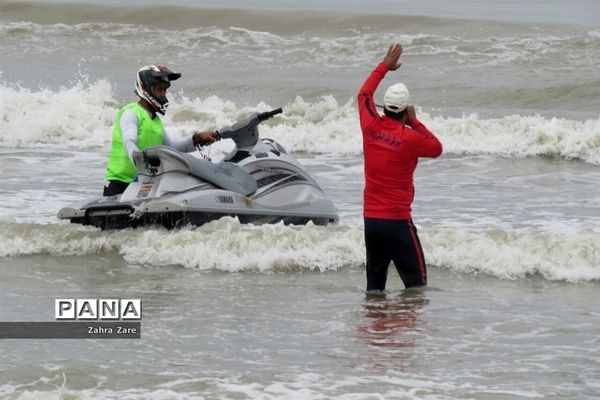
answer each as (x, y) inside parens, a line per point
(396, 98)
(150, 75)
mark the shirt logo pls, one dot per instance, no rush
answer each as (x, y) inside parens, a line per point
(387, 139)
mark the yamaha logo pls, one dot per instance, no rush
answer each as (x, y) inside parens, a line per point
(224, 199)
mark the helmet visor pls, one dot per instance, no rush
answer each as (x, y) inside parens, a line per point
(164, 74)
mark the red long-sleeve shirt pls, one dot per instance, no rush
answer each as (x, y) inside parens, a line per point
(391, 150)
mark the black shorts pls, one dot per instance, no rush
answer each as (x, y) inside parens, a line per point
(393, 240)
(114, 188)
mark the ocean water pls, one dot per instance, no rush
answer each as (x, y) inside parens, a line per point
(509, 216)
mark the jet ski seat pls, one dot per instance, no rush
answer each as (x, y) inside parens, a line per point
(158, 160)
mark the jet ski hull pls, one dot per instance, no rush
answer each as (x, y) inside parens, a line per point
(174, 220)
(195, 208)
(122, 217)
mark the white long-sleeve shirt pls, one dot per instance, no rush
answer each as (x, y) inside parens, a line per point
(129, 130)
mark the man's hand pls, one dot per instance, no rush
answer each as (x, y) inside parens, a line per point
(393, 55)
(411, 114)
(204, 138)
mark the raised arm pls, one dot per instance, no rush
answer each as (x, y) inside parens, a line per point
(366, 104)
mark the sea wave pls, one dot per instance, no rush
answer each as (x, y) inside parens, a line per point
(224, 245)
(228, 246)
(82, 116)
(349, 45)
(52, 384)
(285, 18)
(79, 115)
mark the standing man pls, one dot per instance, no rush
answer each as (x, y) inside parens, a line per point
(137, 127)
(392, 145)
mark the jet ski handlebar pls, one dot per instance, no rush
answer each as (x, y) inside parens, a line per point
(245, 132)
(268, 114)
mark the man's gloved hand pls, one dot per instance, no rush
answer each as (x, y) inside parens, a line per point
(204, 138)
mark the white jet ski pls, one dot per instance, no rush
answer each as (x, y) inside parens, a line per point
(258, 182)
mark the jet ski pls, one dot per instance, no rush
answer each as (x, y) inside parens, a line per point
(257, 182)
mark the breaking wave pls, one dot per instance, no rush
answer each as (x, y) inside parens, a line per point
(226, 245)
(82, 116)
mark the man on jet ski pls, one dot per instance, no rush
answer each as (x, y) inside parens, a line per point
(137, 127)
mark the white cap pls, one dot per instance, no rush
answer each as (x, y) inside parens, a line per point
(396, 97)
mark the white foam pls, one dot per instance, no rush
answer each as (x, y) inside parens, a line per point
(594, 34)
(229, 246)
(516, 136)
(508, 255)
(94, 394)
(38, 118)
(80, 115)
